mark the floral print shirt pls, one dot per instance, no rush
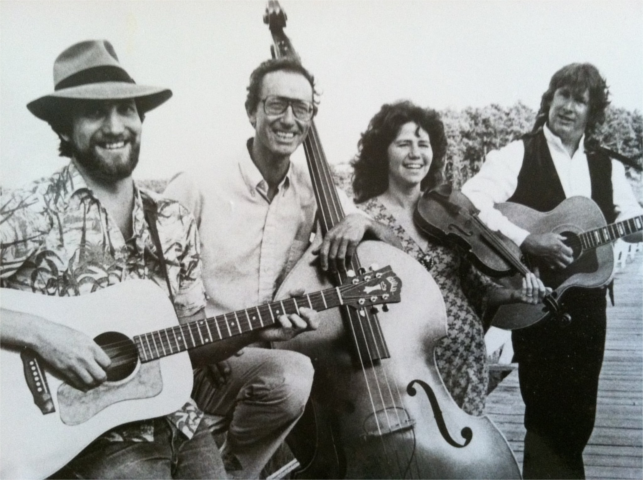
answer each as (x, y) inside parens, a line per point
(57, 239)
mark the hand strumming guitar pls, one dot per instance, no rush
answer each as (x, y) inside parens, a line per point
(550, 247)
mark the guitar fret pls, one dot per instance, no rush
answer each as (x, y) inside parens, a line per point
(167, 340)
(227, 325)
(176, 340)
(191, 336)
(272, 316)
(309, 302)
(294, 300)
(250, 319)
(339, 296)
(209, 331)
(141, 348)
(260, 319)
(183, 337)
(198, 329)
(161, 341)
(216, 324)
(323, 298)
(638, 222)
(239, 323)
(153, 342)
(149, 347)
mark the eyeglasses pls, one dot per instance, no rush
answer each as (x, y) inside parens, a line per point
(273, 105)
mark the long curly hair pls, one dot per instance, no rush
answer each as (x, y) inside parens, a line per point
(578, 77)
(370, 166)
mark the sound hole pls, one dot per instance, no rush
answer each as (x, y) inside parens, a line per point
(122, 352)
(573, 242)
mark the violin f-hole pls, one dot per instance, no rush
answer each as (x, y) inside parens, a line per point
(466, 432)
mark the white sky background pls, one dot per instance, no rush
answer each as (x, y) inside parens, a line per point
(363, 53)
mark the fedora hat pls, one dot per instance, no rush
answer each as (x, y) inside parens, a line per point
(90, 71)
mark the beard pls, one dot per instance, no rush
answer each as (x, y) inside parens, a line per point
(103, 170)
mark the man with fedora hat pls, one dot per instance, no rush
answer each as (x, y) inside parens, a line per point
(89, 226)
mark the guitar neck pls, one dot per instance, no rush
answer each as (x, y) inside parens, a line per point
(169, 341)
(600, 236)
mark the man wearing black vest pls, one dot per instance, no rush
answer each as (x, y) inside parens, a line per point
(559, 365)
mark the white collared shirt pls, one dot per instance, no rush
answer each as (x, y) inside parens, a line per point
(498, 179)
(248, 244)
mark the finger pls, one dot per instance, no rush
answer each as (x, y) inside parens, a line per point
(332, 255)
(310, 317)
(84, 378)
(352, 246)
(98, 375)
(323, 254)
(101, 357)
(297, 321)
(297, 292)
(340, 261)
(218, 379)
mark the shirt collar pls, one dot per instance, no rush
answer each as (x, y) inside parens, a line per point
(252, 176)
(71, 182)
(554, 140)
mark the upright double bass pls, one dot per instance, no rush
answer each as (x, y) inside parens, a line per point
(379, 408)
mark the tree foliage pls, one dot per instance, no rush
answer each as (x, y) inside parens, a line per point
(474, 132)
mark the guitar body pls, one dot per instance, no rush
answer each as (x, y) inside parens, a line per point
(35, 445)
(373, 421)
(591, 268)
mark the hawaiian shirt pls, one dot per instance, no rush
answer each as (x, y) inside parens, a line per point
(57, 239)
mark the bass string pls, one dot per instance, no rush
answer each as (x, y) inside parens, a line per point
(331, 213)
(312, 147)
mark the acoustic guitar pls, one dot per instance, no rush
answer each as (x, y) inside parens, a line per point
(583, 225)
(46, 422)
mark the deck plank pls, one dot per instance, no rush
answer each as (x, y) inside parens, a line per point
(615, 450)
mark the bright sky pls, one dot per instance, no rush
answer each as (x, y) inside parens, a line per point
(439, 53)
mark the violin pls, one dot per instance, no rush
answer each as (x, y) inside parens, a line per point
(449, 216)
(378, 406)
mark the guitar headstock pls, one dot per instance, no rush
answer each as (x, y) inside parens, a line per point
(275, 17)
(371, 288)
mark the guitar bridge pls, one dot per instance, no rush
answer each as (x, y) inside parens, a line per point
(37, 382)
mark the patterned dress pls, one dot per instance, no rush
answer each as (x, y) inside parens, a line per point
(461, 355)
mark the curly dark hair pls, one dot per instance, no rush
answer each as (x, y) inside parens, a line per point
(287, 64)
(370, 166)
(578, 77)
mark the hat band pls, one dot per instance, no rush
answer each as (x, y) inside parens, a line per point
(101, 74)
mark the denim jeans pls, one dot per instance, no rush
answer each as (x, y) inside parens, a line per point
(170, 456)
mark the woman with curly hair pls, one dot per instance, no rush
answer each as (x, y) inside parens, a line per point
(401, 154)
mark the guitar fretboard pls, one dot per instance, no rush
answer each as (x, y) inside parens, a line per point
(600, 236)
(161, 343)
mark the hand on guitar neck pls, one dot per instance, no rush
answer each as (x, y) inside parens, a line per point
(550, 248)
(74, 355)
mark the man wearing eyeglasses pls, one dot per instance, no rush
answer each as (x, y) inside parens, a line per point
(255, 223)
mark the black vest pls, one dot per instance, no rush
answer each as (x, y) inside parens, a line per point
(539, 186)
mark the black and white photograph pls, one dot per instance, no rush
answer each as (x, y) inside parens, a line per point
(359, 239)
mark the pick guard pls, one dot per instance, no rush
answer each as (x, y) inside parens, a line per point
(77, 407)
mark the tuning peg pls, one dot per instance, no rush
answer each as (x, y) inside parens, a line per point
(373, 267)
(362, 312)
(350, 273)
(362, 270)
(374, 310)
(385, 307)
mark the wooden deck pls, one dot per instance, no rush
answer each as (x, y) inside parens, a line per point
(615, 450)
